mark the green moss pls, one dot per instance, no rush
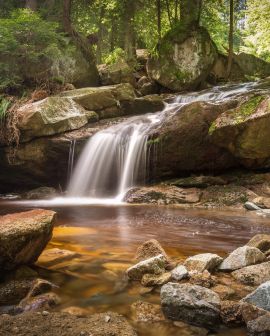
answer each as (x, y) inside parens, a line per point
(182, 76)
(212, 128)
(247, 109)
(153, 141)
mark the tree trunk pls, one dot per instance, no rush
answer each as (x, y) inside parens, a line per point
(31, 4)
(100, 34)
(159, 19)
(230, 54)
(190, 12)
(130, 36)
(169, 13)
(80, 41)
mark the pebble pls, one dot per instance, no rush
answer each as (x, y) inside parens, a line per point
(45, 313)
(107, 318)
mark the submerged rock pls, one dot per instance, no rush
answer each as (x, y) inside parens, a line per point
(55, 256)
(202, 262)
(40, 193)
(155, 265)
(146, 312)
(253, 275)
(260, 297)
(183, 59)
(242, 257)
(23, 236)
(190, 303)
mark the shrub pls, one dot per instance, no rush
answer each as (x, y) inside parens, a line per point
(32, 51)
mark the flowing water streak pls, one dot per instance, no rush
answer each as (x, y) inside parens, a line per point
(115, 159)
(71, 158)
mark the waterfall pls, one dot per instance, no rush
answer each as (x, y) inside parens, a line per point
(115, 159)
(71, 159)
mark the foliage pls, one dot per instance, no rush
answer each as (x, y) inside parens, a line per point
(257, 33)
(116, 56)
(29, 49)
(4, 105)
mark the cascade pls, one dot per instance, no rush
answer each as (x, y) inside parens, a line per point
(115, 159)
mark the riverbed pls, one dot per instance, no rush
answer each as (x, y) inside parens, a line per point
(106, 238)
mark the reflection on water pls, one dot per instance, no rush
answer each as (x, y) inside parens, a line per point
(107, 238)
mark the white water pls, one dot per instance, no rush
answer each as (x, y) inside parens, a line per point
(115, 159)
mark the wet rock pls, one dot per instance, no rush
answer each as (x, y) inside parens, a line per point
(231, 313)
(32, 323)
(243, 131)
(202, 262)
(55, 256)
(224, 292)
(23, 236)
(187, 329)
(262, 202)
(146, 86)
(185, 57)
(242, 257)
(179, 272)
(150, 248)
(12, 291)
(50, 116)
(40, 193)
(260, 241)
(162, 194)
(204, 279)
(251, 206)
(40, 286)
(253, 275)
(77, 311)
(197, 181)
(143, 105)
(260, 297)
(154, 265)
(190, 303)
(39, 302)
(146, 312)
(150, 280)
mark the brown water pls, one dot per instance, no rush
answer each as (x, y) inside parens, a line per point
(107, 238)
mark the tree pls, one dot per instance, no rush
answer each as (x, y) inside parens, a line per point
(190, 12)
(231, 29)
(31, 4)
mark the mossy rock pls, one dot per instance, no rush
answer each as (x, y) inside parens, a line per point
(244, 131)
(183, 58)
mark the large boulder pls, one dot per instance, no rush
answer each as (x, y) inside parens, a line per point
(50, 116)
(116, 73)
(23, 236)
(106, 100)
(185, 142)
(244, 131)
(260, 297)
(191, 304)
(253, 275)
(242, 257)
(260, 241)
(183, 58)
(252, 65)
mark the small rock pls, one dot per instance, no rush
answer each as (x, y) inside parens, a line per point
(45, 313)
(149, 249)
(150, 280)
(146, 290)
(76, 311)
(260, 297)
(191, 304)
(251, 312)
(40, 286)
(44, 301)
(242, 257)
(253, 275)
(224, 292)
(204, 279)
(202, 262)
(231, 313)
(155, 265)
(251, 206)
(180, 272)
(261, 242)
(146, 312)
(107, 318)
